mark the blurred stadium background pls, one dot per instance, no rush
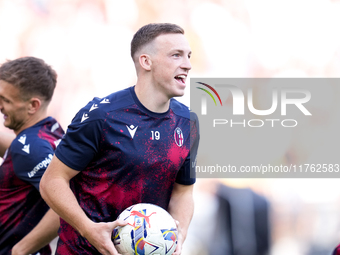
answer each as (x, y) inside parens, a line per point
(88, 42)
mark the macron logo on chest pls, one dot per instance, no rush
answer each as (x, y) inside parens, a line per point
(132, 130)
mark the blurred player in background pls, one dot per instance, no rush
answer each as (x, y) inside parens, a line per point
(336, 251)
(26, 88)
(130, 147)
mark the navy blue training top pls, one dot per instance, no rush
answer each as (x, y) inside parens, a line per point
(25, 161)
(125, 154)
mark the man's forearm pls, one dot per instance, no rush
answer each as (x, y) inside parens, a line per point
(40, 236)
(61, 199)
(181, 207)
(56, 191)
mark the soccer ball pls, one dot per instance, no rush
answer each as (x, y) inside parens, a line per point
(150, 230)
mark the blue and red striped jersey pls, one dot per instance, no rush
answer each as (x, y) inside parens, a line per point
(25, 161)
(125, 154)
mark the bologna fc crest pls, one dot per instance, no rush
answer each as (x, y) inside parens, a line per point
(178, 135)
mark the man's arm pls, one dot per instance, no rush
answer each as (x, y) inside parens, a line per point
(41, 235)
(181, 208)
(55, 189)
(5, 141)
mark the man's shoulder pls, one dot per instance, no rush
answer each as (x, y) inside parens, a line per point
(179, 108)
(28, 143)
(98, 108)
(46, 129)
(115, 100)
(183, 111)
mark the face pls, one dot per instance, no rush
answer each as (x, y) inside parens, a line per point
(13, 107)
(171, 63)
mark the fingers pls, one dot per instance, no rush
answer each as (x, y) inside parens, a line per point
(179, 231)
(178, 249)
(119, 222)
(100, 236)
(177, 224)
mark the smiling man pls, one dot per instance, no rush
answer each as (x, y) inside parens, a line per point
(133, 146)
(26, 223)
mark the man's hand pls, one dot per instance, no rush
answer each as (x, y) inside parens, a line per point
(16, 250)
(100, 236)
(181, 208)
(178, 249)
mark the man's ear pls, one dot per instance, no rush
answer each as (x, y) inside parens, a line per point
(145, 62)
(34, 105)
